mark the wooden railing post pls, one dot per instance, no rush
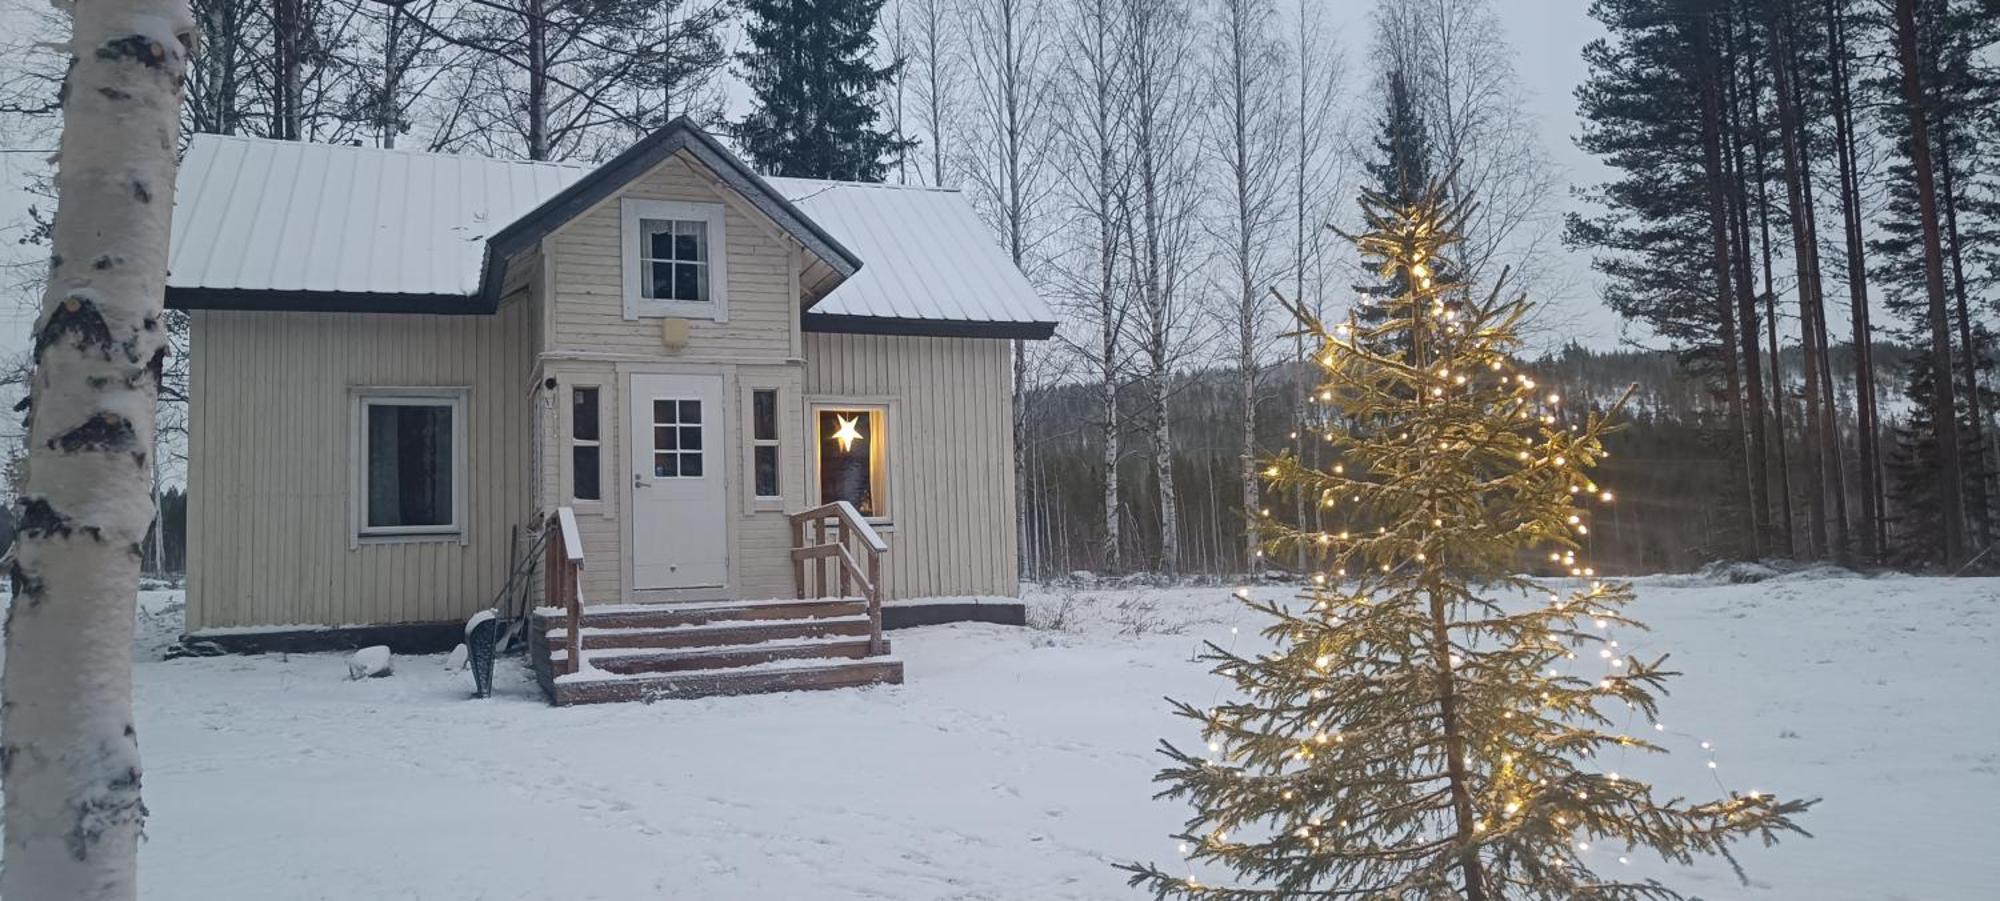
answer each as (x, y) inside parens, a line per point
(799, 565)
(574, 602)
(846, 585)
(874, 601)
(819, 565)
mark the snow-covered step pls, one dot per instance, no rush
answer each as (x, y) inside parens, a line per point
(655, 660)
(726, 632)
(599, 686)
(664, 615)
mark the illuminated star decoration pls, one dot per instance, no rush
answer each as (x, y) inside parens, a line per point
(847, 434)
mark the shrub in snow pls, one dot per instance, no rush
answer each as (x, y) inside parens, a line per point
(456, 660)
(370, 662)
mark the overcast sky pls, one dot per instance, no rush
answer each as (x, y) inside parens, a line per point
(1547, 36)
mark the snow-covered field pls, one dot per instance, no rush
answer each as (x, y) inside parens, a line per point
(1016, 763)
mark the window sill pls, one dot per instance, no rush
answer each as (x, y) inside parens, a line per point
(702, 310)
(767, 505)
(455, 537)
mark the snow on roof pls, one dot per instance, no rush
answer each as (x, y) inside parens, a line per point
(261, 215)
(254, 214)
(926, 254)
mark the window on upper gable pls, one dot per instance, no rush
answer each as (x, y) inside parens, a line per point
(675, 259)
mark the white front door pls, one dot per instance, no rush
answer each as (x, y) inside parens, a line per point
(680, 538)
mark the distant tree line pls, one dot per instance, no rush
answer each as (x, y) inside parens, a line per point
(1776, 160)
(1663, 464)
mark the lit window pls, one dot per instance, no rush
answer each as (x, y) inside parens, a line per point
(764, 441)
(586, 446)
(411, 448)
(851, 457)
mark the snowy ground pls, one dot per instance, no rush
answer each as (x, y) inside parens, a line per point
(1014, 764)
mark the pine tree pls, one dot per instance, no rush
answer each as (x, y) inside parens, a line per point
(813, 85)
(1423, 728)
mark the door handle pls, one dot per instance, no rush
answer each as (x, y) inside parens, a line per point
(639, 481)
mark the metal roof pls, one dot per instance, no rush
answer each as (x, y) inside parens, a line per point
(288, 225)
(928, 255)
(252, 214)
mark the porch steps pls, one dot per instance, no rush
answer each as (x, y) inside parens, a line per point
(661, 651)
(661, 616)
(710, 634)
(626, 661)
(782, 675)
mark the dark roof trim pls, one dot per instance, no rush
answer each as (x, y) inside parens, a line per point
(932, 328)
(603, 181)
(323, 301)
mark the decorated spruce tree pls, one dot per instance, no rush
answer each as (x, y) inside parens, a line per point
(1431, 724)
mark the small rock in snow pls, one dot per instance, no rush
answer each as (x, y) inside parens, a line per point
(456, 660)
(370, 662)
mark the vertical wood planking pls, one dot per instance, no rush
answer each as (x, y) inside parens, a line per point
(270, 478)
(951, 449)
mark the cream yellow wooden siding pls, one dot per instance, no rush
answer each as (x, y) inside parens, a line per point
(270, 450)
(589, 273)
(759, 548)
(591, 343)
(951, 453)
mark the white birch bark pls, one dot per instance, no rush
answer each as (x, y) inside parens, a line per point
(1090, 125)
(1247, 140)
(1318, 127)
(937, 81)
(1158, 38)
(1004, 42)
(71, 754)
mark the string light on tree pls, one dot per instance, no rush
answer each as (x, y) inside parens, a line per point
(1466, 760)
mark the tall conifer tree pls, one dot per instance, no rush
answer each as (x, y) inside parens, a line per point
(1401, 170)
(1424, 727)
(814, 90)
(1403, 167)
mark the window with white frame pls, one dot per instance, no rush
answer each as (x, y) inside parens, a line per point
(764, 442)
(675, 259)
(411, 466)
(586, 446)
(850, 462)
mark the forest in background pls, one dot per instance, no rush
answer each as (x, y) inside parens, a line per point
(1803, 215)
(1664, 463)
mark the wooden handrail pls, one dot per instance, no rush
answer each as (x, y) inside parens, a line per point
(849, 516)
(571, 540)
(564, 575)
(850, 528)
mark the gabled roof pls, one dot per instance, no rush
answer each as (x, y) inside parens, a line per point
(283, 225)
(677, 136)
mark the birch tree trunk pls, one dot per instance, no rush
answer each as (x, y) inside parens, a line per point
(1090, 132)
(71, 754)
(538, 80)
(1249, 139)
